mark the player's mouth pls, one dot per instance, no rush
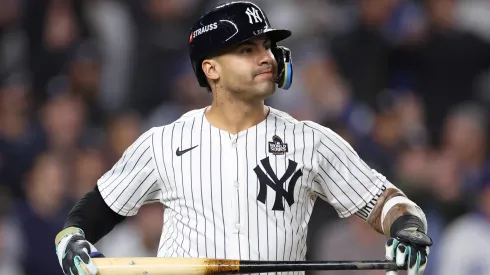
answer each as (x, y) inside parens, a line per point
(267, 73)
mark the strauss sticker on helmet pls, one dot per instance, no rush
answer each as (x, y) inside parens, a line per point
(203, 29)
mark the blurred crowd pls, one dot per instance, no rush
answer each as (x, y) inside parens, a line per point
(406, 82)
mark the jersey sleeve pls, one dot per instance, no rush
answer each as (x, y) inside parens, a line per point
(343, 179)
(133, 180)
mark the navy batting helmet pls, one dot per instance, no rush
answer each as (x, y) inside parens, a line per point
(231, 24)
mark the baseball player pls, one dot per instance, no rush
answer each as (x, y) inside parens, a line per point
(238, 179)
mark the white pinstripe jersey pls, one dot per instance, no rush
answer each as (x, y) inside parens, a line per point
(243, 196)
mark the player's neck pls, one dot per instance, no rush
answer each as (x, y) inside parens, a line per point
(236, 116)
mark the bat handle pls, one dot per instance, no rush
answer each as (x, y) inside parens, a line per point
(393, 270)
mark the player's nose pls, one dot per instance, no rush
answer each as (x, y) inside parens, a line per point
(265, 57)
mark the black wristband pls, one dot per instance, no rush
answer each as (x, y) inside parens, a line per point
(404, 222)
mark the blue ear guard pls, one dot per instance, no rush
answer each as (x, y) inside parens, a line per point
(285, 67)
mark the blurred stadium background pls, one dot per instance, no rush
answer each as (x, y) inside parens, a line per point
(406, 82)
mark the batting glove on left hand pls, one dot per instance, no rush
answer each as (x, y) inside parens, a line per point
(75, 253)
(410, 247)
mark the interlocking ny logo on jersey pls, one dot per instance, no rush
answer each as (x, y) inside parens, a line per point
(253, 13)
(276, 184)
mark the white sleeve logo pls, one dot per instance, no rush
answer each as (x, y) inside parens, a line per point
(253, 13)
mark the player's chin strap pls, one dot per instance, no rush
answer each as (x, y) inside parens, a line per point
(284, 66)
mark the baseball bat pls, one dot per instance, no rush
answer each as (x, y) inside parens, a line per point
(205, 266)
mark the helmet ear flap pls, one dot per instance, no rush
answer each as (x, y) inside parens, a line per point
(284, 66)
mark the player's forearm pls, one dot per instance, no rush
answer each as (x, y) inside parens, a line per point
(394, 210)
(93, 216)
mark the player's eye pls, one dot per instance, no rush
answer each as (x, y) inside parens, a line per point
(267, 46)
(246, 50)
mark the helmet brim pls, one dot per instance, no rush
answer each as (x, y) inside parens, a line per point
(277, 35)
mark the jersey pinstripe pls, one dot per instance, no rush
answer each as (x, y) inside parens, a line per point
(243, 196)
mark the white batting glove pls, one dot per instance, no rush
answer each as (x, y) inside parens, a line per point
(409, 247)
(74, 252)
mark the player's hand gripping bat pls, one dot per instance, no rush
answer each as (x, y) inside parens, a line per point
(74, 252)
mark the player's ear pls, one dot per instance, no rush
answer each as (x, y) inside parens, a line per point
(211, 69)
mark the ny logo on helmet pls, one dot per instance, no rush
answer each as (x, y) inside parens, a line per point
(253, 13)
